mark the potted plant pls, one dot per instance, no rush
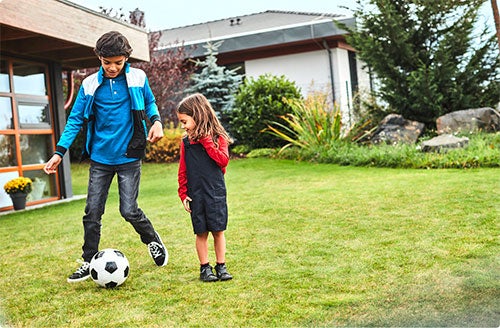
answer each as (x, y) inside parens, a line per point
(18, 188)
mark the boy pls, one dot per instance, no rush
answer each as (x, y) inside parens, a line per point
(112, 106)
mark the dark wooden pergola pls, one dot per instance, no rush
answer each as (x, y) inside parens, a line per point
(60, 31)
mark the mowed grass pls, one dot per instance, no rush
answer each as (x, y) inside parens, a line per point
(309, 245)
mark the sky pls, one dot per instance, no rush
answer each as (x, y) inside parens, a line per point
(165, 14)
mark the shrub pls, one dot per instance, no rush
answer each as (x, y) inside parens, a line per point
(483, 151)
(240, 149)
(167, 149)
(262, 152)
(258, 102)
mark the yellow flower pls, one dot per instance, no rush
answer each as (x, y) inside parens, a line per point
(20, 184)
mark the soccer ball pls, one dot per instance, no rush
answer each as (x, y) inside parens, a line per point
(109, 268)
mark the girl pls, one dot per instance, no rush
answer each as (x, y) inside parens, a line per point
(204, 156)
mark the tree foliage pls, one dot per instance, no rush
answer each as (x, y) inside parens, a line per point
(215, 82)
(427, 55)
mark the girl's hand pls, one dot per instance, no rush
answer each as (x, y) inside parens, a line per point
(186, 204)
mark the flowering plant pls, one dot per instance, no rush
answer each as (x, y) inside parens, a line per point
(20, 184)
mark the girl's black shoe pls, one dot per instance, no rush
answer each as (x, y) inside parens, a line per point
(206, 274)
(222, 273)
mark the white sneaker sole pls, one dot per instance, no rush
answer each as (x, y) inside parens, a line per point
(77, 280)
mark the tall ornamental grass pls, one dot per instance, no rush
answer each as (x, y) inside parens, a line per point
(311, 124)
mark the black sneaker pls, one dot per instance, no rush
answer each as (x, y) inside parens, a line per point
(83, 273)
(222, 273)
(206, 274)
(158, 251)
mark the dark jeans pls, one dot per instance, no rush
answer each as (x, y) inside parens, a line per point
(100, 177)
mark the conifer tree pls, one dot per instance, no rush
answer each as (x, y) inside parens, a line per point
(427, 55)
(215, 82)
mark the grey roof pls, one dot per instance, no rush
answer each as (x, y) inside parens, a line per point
(240, 26)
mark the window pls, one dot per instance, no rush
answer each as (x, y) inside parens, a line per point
(7, 151)
(4, 77)
(26, 128)
(6, 121)
(33, 115)
(35, 148)
(29, 79)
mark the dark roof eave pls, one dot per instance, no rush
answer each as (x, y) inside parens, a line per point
(278, 37)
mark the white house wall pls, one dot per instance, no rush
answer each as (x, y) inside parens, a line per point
(364, 79)
(305, 69)
(310, 71)
(343, 86)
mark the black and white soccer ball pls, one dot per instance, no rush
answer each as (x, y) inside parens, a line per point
(109, 268)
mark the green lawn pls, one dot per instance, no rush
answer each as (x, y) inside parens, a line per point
(309, 245)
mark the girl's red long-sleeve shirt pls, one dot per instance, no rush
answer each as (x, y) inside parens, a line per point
(219, 154)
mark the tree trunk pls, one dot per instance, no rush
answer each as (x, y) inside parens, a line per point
(497, 19)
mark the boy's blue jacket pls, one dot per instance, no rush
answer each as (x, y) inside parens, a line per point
(142, 102)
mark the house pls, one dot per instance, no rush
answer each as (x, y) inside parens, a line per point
(40, 40)
(307, 48)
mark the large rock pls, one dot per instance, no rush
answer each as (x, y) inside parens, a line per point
(469, 120)
(443, 143)
(394, 129)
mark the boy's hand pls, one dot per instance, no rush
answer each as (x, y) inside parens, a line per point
(156, 132)
(186, 202)
(52, 164)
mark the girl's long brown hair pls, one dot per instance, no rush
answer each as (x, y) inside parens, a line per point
(198, 107)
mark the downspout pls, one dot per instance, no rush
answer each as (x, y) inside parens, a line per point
(71, 89)
(330, 64)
